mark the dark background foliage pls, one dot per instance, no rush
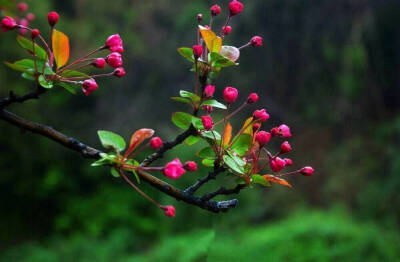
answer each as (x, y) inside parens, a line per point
(330, 69)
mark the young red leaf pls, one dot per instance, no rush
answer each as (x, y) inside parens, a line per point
(277, 180)
(138, 137)
(60, 48)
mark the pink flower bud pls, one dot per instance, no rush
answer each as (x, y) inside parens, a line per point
(285, 147)
(275, 131)
(256, 41)
(207, 122)
(89, 86)
(156, 142)
(277, 164)
(30, 17)
(230, 94)
(199, 17)
(114, 43)
(197, 51)
(52, 18)
(235, 7)
(261, 115)
(256, 126)
(253, 97)
(209, 91)
(288, 161)
(114, 60)
(35, 33)
(169, 211)
(23, 22)
(190, 166)
(207, 109)
(284, 131)
(307, 171)
(119, 72)
(99, 63)
(174, 169)
(7, 23)
(215, 10)
(226, 30)
(22, 7)
(263, 137)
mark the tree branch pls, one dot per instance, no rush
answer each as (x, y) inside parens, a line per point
(224, 191)
(168, 145)
(201, 181)
(90, 152)
(13, 98)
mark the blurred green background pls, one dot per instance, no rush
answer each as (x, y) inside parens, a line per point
(330, 69)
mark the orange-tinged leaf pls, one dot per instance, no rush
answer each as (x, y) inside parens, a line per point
(213, 42)
(227, 134)
(278, 180)
(138, 137)
(60, 44)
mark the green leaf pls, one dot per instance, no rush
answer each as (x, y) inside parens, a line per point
(72, 73)
(191, 140)
(187, 53)
(214, 103)
(237, 159)
(258, 179)
(220, 61)
(208, 162)
(211, 135)
(28, 76)
(114, 172)
(181, 99)
(44, 83)
(67, 86)
(207, 153)
(242, 144)
(182, 120)
(30, 64)
(232, 164)
(193, 97)
(197, 123)
(19, 68)
(27, 44)
(111, 140)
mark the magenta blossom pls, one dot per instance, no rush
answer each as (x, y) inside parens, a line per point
(174, 169)
(114, 43)
(230, 94)
(235, 7)
(89, 86)
(156, 142)
(277, 164)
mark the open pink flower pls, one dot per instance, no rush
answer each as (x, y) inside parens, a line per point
(174, 169)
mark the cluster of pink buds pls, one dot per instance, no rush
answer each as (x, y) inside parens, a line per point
(23, 19)
(58, 55)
